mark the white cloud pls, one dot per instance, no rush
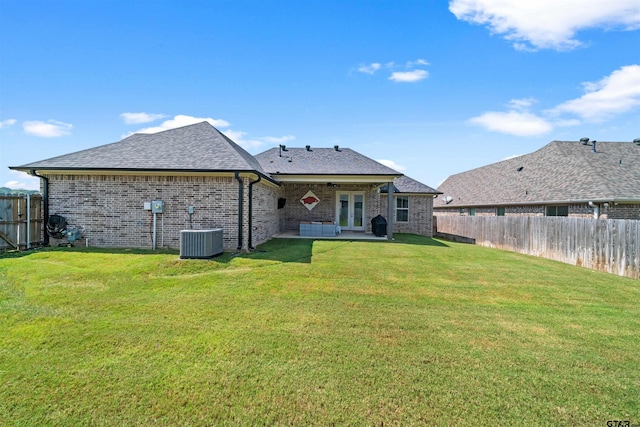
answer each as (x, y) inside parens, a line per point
(519, 123)
(547, 24)
(391, 164)
(617, 93)
(7, 123)
(278, 139)
(567, 123)
(22, 181)
(614, 94)
(48, 129)
(511, 157)
(411, 64)
(182, 120)
(409, 76)
(137, 118)
(522, 104)
(237, 136)
(240, 138)
(523, 47)
(370, 69)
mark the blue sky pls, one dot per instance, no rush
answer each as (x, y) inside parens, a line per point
(431, 88)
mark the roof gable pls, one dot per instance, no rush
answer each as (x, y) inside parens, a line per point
(197, 147)
(404, 184)
(561, 171)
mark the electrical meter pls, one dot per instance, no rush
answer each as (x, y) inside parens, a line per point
(157, 206)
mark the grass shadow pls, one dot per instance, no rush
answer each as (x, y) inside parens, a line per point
(118, 251)
(301, 250)
(281, 250)
(23, 252)
(284, 250)
(416, 239)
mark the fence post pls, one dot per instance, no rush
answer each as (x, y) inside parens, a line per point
(28, 221)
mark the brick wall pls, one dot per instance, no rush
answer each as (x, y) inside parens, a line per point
(420, 207)
(623, 211)
(266, 215)
(420, 215)
(295, 212)
(110, 208)
(581, 210)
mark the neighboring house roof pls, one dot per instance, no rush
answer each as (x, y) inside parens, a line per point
(404, 184)
(560, 172)
(197, 147)
(321, 161)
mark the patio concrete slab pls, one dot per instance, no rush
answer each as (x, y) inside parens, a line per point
(345, 235)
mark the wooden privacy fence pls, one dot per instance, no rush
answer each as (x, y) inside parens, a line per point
(607, 245)
(20, 221)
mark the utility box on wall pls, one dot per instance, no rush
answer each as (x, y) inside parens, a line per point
(157, 206)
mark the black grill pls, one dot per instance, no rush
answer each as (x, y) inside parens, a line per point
(379, 226)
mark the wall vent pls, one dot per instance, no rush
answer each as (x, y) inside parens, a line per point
(200, 243)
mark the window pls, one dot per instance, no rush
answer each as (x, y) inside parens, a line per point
(402, 208)
(557, 210)
(500, 212)
(472, 211)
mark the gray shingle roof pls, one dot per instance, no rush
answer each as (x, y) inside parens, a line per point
(197, 147)
(561, 171)
(321, 161)
(404, 184)
(201, 147)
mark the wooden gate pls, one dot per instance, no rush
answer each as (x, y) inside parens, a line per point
(21, 224)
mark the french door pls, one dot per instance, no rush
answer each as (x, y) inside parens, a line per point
(350, 210)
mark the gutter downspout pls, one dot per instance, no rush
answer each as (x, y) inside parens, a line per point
(251, 211)
(390, 211)
(45, 205)
(240, 197)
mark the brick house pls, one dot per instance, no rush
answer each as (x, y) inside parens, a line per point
(205, 180)
(563, 178)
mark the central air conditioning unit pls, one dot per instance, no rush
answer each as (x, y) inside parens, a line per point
(200, 243)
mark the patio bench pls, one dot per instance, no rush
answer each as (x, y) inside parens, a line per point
(318, 229)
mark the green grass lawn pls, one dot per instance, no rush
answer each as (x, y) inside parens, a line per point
(416, 331)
